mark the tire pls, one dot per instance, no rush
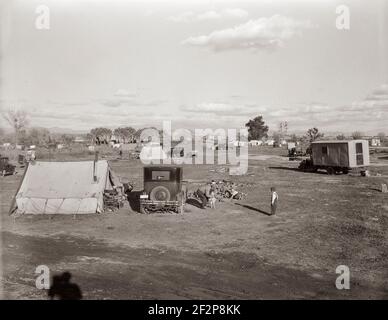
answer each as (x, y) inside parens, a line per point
(160, 193)
(330, 171)
(228, 194)
(345, 171)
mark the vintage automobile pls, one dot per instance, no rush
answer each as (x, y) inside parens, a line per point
(5, 167)
(164, 189)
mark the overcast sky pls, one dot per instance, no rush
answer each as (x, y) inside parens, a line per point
(197, 63)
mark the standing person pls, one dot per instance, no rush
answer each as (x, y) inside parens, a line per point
(204, 194)
(274, 200)
(212, 199)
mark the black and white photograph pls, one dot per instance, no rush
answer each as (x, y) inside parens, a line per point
(202, 150)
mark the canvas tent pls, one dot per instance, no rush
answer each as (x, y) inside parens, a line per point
(64, 187)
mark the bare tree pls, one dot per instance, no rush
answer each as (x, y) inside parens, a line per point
(294, 138)
(313, 134)
(125, 134)
(381, 136)
(341, 137)
(18, 119)
(357, 135)
(101, 135)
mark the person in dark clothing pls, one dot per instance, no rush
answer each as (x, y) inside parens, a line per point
(63, 289)
(203, 198)
(204, 194)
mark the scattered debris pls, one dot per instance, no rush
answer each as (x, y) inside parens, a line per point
(113, 200)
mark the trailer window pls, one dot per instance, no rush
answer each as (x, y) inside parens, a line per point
(324, 150)
(359, 154)
(358, 147)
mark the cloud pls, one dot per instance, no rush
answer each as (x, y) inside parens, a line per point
(124, 93)
(262, 33)
(235, 13)
(223, 109)
(379, 94)
(190, 16)
(183, 17)
(366, 115)
(125, 98)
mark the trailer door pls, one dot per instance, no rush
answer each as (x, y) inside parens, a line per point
(343, 150)
(359, 154)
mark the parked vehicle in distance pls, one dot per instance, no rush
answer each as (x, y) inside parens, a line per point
(338, 156)
(5, 167)
(164, 189)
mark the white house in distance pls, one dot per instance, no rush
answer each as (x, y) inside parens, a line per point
(79, 140)
(255, 143)
(375, 142)
(239, 143)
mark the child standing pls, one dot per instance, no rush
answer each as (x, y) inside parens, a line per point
(212, 199)
(274, 200)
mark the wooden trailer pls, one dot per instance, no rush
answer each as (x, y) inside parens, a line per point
(339, 156)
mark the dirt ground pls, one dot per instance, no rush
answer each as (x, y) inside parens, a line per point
(234, 251)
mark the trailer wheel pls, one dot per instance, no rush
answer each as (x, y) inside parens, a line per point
(345, 171)
(330, 170)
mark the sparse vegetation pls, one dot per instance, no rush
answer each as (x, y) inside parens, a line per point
(357, 135)
(18, 120)
(313, 134)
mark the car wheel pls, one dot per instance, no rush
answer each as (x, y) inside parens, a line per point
(160, 193)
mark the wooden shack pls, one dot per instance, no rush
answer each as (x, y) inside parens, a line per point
(341, 154)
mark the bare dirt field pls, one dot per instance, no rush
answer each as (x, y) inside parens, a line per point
(234, 251)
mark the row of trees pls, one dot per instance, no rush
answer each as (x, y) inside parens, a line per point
(18, 120)
(359, 135)
(103, 135)
(257, 130)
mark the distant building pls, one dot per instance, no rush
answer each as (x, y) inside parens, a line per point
(291, 145)
(239, 143)
(255, 142)
(375, 142)
(79, 140)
